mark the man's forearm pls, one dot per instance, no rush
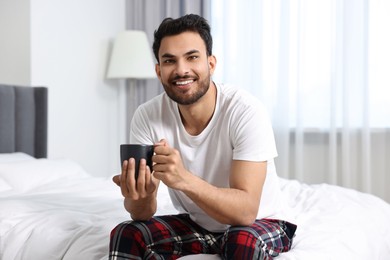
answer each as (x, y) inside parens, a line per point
(226, 205)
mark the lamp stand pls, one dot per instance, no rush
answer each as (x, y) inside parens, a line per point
(122, 113)
(131, 105)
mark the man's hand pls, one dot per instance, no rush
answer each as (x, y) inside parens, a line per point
(168, 165)
(140, 195)
(134, 189)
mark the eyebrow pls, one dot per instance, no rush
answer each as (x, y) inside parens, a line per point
(168, 55)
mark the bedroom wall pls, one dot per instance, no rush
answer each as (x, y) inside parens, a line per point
(67, 48)
(70, 43)
(14, 42)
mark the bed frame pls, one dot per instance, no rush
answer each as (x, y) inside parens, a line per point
(23, 120)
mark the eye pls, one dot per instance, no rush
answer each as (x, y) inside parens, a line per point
(168, 61)
(193, 57)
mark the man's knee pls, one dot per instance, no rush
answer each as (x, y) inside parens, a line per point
(245, 236)
(125, 236)
(243, 243)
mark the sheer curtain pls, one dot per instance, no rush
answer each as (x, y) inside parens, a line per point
(323, 70)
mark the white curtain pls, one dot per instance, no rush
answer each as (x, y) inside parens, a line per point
(322, 67)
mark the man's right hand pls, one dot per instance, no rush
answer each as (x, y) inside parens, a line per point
(134, 189)
(140, 195)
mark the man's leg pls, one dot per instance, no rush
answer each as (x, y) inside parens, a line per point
(163, 237)
(265, 239)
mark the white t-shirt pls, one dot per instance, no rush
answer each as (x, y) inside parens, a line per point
(240, 129)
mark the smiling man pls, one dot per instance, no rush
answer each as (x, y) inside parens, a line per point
(214, 149)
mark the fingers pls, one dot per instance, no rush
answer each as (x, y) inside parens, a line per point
(162, 142)
(127, 178)
(131, 188)
(123, 178)
(162, 148)
(153, 184)
(166, 155)
(145, 185)
(162, 145)
(140, 187)
(148, 176)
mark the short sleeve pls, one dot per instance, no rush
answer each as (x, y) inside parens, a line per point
(140, 132)
(252, 135)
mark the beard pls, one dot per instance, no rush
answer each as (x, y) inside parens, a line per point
(183, 98)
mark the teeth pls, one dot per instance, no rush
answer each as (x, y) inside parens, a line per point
(183, 82)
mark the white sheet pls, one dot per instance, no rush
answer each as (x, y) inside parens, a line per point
(337, 223)
(70, 217)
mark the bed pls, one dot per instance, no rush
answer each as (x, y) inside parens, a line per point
(54, 209)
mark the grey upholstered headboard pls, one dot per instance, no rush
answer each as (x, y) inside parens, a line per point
(23, 120)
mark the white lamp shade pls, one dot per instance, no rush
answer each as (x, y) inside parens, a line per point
(131, 57)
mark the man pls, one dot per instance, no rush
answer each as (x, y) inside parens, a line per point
(214, 149)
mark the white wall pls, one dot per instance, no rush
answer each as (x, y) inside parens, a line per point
(14, 42)
(69, 47)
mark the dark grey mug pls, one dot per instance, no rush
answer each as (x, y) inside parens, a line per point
(138, 152)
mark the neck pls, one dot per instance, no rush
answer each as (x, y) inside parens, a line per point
(196, 117)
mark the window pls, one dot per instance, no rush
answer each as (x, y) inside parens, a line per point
(316, 64)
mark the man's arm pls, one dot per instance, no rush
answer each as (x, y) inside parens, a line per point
(237, 205)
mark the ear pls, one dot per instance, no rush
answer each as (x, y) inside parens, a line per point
(212, 60)
(158, 70)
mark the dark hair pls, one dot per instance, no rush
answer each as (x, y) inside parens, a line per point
(189, 22)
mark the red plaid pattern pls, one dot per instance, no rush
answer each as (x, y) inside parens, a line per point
(173, 236)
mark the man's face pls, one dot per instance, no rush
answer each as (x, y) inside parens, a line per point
(184, 69)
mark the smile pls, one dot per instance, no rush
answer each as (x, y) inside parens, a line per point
(182, 83)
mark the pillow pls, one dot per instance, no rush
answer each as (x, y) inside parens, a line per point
(14, 157)
(29, 174)
(4, 186)
(11, 157)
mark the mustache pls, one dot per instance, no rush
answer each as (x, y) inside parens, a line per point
(178, 77)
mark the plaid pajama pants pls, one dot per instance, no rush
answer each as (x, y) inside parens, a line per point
(174, 236)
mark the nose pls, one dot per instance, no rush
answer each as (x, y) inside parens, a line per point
(181, 68)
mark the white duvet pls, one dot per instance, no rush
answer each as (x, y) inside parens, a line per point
(53, 209)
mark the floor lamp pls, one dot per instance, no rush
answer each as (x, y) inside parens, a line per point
(131, 59)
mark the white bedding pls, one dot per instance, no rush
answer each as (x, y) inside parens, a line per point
(53, 209)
